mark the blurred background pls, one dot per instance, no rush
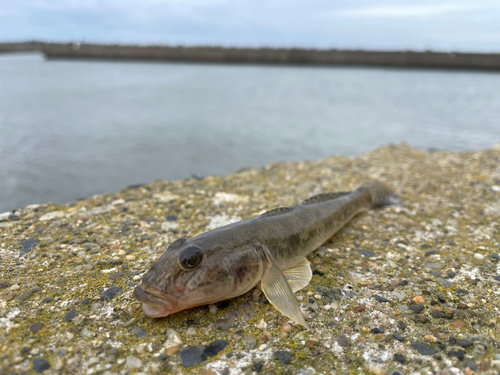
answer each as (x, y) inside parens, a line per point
(72, 128)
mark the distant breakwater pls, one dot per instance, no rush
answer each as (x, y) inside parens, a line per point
(281, 56)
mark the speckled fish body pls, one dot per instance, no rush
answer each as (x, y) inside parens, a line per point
(270, 248)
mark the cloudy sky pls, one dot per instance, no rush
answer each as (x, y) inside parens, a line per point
(409, 24)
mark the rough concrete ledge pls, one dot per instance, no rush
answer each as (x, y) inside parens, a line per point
(425, 277)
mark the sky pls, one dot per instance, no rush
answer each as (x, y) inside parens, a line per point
(355, 24)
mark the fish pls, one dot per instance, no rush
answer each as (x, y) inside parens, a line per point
(269, 249)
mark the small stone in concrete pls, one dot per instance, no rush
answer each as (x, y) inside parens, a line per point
(112, 292)
(445, 283)
(456, 353)
(25, 296)
(173, 339)
(451, 275)
(434, 266)
(283, 356)
(257, 366)
(40, 364)
(139, 333)
(115, 275)
(462, 291)
(343, 341)
(367, 253)
(96, 306)
(70, 315)
(400, 358)
(464, 343)
(380, 298)
(249, 342)
(224, 323)
(36, 327)
(497, 278)
(133, 362)
(423, 349)
(398, 337)
(192, 356)
(28, 245)
(417, 309)
(495, 256)
(214, 348)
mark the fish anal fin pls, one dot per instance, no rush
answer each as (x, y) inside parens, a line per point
(298, 275)
(279, 293)
(277, 211)
(325, 197)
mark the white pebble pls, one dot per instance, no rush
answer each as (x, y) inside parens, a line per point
(300, 297)
(133, 362)
(479, 256)
(190, 331)
(495, 188)
(173, 339)
(212, 308)
(317, 296)
(327, 307)
(136, 277)
(262, 347)
(262, 324)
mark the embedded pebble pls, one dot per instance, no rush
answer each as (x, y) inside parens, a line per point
(284, 356)
(112, 292)
(423, 349)
(133, 362)
(479, 256)
(70, 315)
(465, 343)
(36, 327)
(96, 306)
(115, 275)
(40, 364)
(173, 339)
(417, 309)
(367, 253)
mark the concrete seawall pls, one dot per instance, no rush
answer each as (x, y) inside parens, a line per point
(32, 46)
(276, 56)
(280, 56)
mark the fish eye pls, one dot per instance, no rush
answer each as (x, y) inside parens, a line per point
(190, 258)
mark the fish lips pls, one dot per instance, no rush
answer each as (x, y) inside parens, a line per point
(154, 303)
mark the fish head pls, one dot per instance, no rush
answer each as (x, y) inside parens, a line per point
(193, 273)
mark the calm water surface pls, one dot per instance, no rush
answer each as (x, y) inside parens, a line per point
(71, 129)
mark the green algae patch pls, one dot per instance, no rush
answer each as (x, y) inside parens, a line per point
(83, 260)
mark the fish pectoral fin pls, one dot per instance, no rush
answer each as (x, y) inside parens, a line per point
(279, 292)
(298, 275)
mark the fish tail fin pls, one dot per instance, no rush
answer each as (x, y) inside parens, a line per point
(382, 194)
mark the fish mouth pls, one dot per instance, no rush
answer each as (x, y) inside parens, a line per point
(155, 303)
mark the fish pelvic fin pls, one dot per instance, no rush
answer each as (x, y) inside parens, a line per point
(298, 275)
(382, 194)
(279, 292)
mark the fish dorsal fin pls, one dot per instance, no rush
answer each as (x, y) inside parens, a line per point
(325, 197)
(277, 211)
(298, 275)
(278, 291)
